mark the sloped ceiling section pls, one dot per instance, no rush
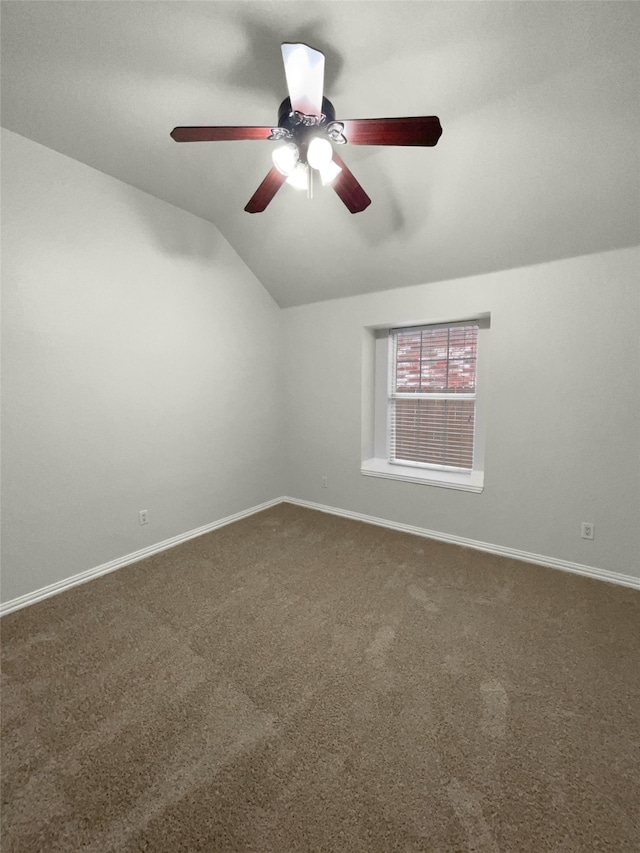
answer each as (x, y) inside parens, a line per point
(539, 102)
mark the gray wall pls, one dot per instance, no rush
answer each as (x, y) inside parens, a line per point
(563, 387)
(140, 371)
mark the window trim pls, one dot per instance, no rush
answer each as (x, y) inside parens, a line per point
(465, 482)
(375, 464)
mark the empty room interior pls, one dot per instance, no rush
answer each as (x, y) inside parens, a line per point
(320, 426)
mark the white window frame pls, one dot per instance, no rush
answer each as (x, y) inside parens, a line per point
(376, 462)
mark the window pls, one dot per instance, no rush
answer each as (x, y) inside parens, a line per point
(432, 398)
(428, 414)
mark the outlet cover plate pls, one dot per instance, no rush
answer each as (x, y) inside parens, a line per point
(587, 530)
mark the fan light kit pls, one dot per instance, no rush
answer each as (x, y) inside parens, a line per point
(307, 130)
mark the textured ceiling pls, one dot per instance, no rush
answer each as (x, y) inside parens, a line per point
(539, 102)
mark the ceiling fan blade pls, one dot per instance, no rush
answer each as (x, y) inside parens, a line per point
(417, 130)
(218, 134)
(304, 70)
(348, 188)
(266, 191)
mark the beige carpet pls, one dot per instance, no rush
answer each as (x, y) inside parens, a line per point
(301, 682)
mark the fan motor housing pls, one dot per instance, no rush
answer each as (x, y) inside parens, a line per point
(285, 118)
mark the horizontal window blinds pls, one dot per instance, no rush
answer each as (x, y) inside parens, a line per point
(432, 396)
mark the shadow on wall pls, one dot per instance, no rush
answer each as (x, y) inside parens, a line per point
(259, 68)
(177, 234)
(398, 213)
(390, 220)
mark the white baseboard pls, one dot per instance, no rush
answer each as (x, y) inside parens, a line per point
(105, 568)
(538, 559)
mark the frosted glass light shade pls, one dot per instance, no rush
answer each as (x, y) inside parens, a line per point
(319, 153)
(285, 158)
(329, 172)
(299, 178)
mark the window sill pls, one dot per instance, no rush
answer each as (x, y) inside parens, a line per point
(473, 482)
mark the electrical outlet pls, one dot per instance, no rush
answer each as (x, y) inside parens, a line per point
(325, 481)
(587, 530)
(143, 515)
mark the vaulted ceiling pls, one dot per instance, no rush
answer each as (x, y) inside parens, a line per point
(539, 101)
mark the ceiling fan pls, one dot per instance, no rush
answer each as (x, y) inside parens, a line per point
(308, 130)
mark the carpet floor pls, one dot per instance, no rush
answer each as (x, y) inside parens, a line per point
(302, 682)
